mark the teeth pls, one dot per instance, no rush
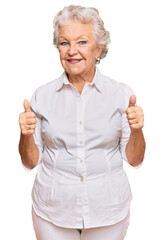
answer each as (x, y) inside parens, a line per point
(73, 60)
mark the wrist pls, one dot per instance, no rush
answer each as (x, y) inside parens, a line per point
(136, 131)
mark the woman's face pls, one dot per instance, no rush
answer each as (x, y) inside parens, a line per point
(78, 49)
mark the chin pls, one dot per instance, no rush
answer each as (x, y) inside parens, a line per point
(74, 71)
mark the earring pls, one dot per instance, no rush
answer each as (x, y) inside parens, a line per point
(98, 60)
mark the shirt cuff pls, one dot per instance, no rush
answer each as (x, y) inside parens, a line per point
(27, 169)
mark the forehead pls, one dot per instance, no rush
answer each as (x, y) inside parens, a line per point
(76, 30)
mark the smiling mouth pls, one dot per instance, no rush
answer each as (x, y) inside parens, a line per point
(73, 61)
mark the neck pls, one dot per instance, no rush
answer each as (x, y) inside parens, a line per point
(81, 79)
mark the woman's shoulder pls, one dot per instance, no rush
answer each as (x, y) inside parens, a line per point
(112, 84)
(48, 87)
(43, 94)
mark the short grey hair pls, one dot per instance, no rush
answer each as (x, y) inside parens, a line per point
(84, 15)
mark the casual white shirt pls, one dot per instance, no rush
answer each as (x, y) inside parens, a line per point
(81, 139)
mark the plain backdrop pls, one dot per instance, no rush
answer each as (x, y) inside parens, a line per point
(28, 59)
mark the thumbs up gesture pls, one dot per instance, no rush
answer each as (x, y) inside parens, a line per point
(135, 115)
(27, 120)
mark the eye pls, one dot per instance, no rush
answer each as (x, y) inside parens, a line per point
(82, 42)
(64, 43)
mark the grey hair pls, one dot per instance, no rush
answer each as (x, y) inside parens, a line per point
(84, 15)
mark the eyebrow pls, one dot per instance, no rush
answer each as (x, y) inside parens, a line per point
(64, 37)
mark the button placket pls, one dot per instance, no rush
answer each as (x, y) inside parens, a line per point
(80, 136)
(86, 217)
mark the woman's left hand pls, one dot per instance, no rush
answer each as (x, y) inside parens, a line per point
(135, 115)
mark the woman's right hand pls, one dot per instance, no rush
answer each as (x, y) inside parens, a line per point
(27, 120)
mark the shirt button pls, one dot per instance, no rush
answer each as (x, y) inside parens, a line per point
(81, 142)
(80, 122)
(81, 161)
(81, 179)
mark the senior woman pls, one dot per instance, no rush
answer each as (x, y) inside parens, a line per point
(78, 129)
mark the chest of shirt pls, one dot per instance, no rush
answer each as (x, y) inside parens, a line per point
(67, 116)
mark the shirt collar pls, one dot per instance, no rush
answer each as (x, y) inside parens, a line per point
(97, 80)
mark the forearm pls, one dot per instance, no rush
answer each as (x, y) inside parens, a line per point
(135, 148)
(28, 150)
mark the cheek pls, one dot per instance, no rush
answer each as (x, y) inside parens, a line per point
(62, 57)
(61, 53)
(92, 53)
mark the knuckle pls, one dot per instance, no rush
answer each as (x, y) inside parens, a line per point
(31, 127)
(21, 117)
(128, 115)
(21, 121)
(24, 132)
(34, 120)
(140, 110)
(130, 121)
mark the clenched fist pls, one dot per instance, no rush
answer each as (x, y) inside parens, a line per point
(135, 115)
(27, 120)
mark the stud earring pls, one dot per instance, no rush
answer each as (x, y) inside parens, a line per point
(98, 60)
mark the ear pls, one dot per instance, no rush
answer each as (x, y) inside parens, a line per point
(99, 50)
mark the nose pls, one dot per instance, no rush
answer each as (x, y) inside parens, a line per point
(72, 50)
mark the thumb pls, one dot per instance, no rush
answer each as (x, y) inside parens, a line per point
(26, 105)
(132, 101)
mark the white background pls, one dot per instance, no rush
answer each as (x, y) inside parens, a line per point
(28, 60)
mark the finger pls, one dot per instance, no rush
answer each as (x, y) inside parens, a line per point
(25, 127)
(25, 118)
(133, 121)
(134, 109)
(30, 121)
(29, 115)
(31, 126)
(132, 101)
(138, 125)
(26, 105)
(131, 109)
(28, 132)
(132, 116)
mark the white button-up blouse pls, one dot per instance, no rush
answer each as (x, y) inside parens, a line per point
(81, 139)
